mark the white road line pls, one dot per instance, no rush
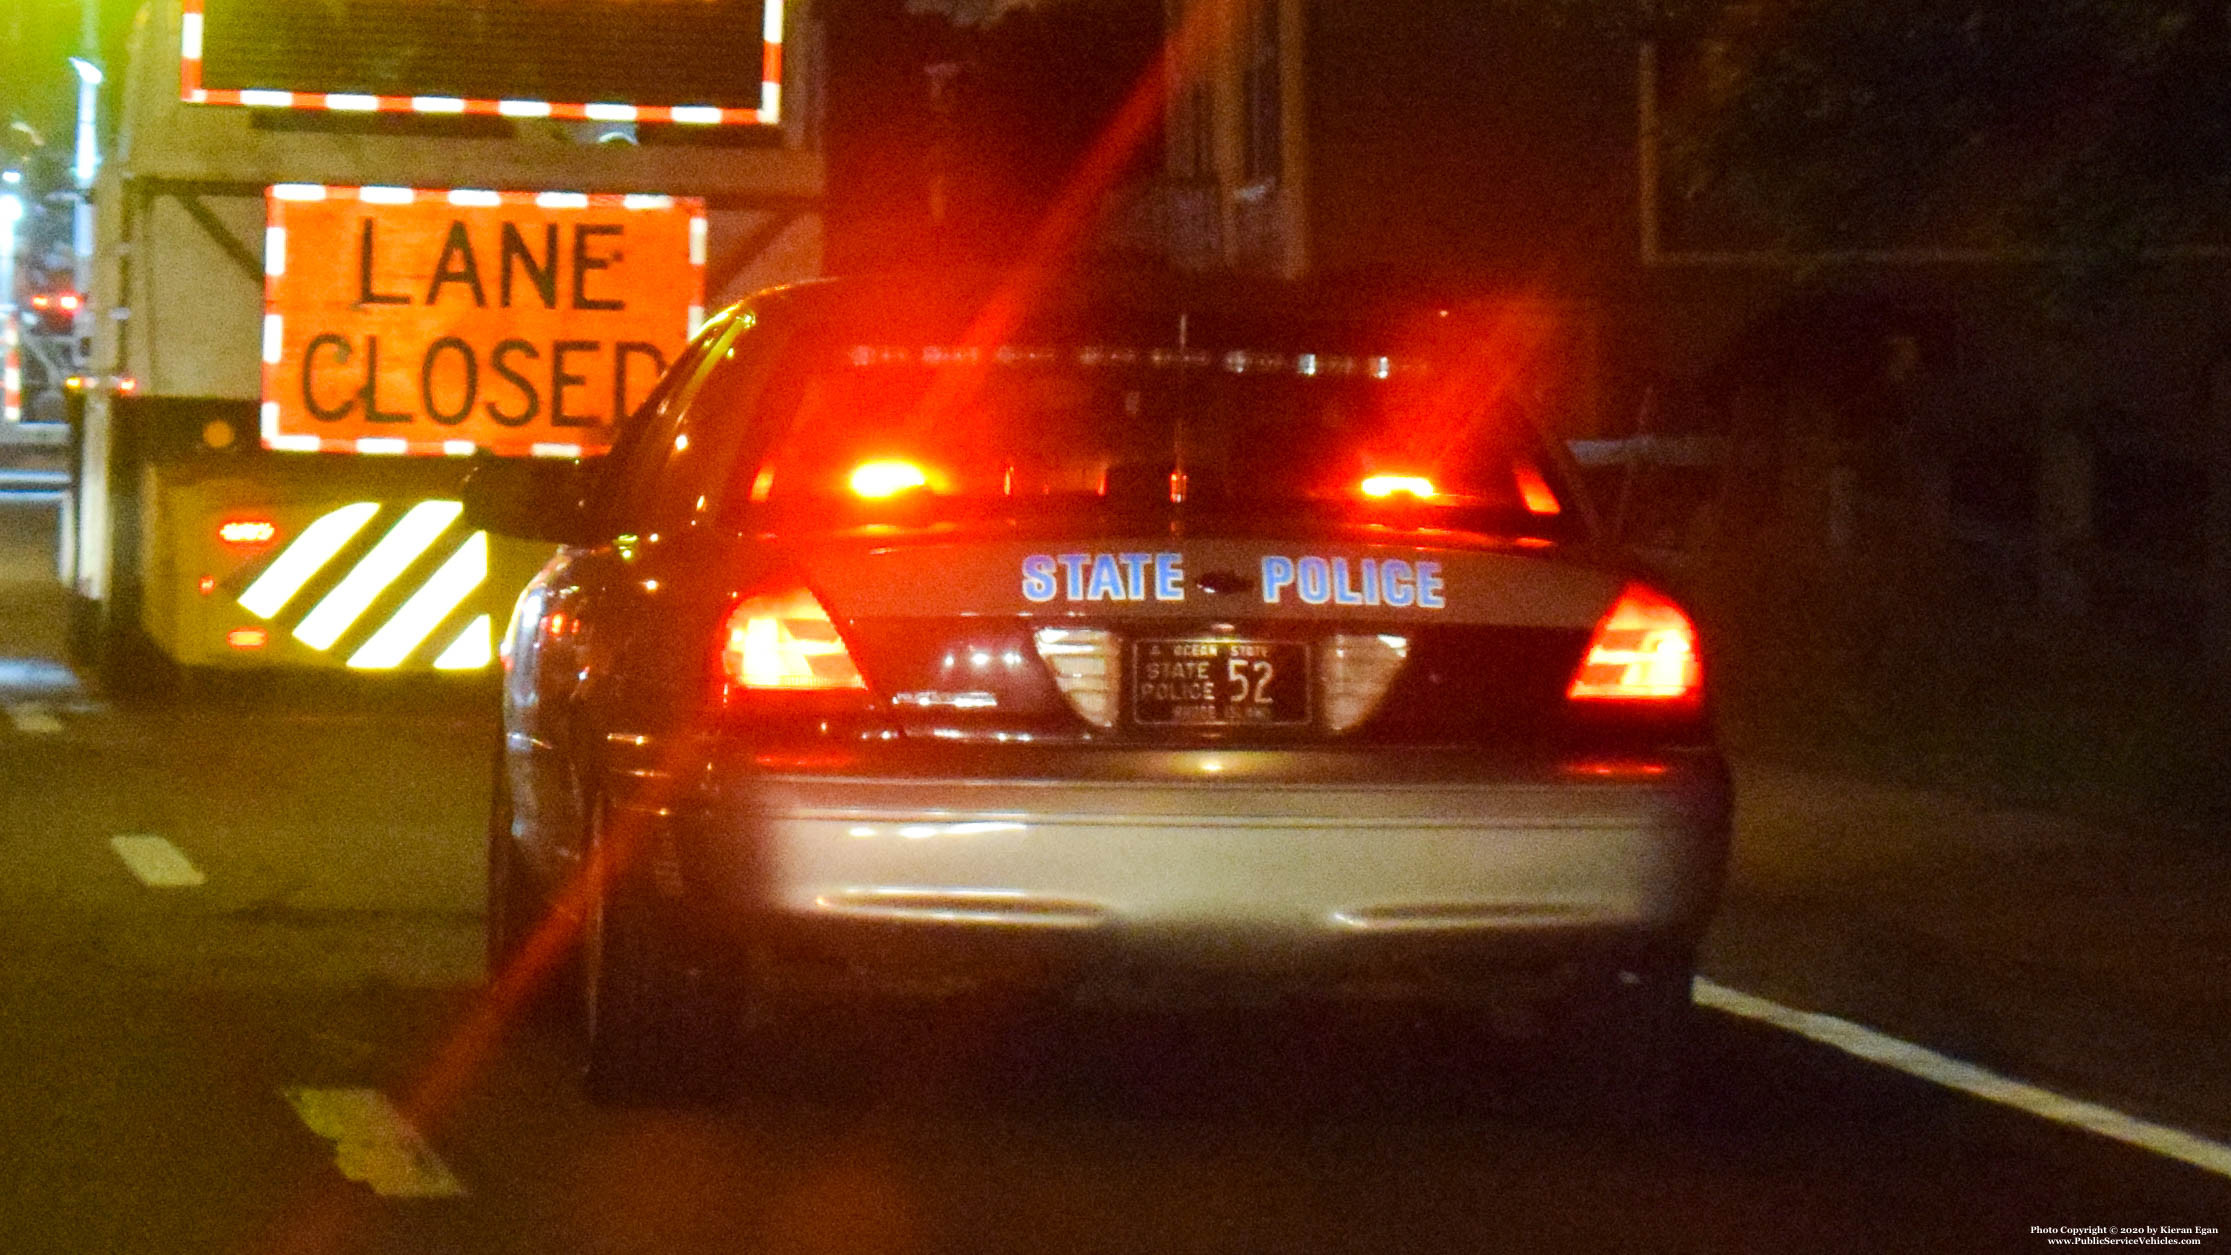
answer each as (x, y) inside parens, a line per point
(157, 863)
(33, 718)
(373, 1143)
(1866, 1043)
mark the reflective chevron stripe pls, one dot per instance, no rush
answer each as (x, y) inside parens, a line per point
(474, 648)
(305, 558)
(373, 575)
(426, 609)
(412, 536)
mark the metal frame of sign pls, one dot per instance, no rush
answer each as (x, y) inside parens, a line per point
(768, 113)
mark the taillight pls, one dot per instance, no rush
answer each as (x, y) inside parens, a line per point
(785, 641)
(1645, 649)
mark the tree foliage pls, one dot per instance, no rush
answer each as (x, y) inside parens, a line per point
(2093, 129)
(2082, 126)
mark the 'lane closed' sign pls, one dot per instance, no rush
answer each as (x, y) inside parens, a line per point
(414, 321)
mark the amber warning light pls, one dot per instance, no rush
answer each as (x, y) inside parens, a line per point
(247, 638)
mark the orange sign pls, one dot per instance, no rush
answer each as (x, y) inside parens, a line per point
(411, 321)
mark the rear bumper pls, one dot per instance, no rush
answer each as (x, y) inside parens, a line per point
(1215, 873)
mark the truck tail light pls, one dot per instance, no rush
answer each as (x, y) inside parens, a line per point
(785, 642)
(247, 532)
(1644, 649)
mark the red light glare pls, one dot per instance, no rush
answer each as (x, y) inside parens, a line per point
(1383, 486)
(127, 384)
(248, 638)
(1535, 490)
(1614, 769)
(247, 532)
(207, 585)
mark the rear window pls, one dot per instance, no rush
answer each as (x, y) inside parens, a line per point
(860, 425)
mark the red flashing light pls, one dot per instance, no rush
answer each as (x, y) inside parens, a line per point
(1644, 649)
(1384, 486)
(1614, 769)
(248, 638)
(206, 585)
(886, 477)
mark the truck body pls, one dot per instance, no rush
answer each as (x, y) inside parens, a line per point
(345, 250)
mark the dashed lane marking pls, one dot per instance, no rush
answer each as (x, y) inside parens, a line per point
(42, 675)
(157, 863)
(33, 718)
(373, 1143)
(1865, 1043)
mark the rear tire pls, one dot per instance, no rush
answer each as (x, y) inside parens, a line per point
(658, 1007)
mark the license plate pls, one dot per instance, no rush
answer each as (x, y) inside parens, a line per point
(1219, 682)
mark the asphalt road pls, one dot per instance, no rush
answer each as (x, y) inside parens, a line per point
(293, 1054)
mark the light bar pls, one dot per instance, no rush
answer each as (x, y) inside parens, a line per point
(885, 478)
(1383, 486)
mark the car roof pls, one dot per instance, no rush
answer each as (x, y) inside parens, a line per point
(947, 297)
